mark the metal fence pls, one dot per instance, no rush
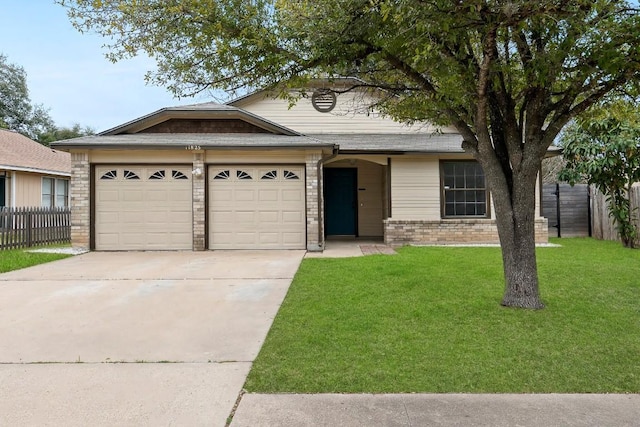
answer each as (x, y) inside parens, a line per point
(26, 227)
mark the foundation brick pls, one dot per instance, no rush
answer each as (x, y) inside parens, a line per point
(450, 231)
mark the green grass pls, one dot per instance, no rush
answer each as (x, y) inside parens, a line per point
(16, 259)
(429, 320)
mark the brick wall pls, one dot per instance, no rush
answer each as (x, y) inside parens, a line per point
(450, 231)
(80, 207)
(199, 215)
(314, 235)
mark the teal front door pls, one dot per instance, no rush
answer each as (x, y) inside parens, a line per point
(340, 201)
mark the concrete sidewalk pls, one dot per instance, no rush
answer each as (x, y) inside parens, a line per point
(496, 410)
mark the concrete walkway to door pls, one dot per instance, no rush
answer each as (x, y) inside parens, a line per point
(136, 338)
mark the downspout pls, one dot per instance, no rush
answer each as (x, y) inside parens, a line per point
(320, 175)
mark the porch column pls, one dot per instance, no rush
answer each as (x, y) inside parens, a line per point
(198, 188)
(315, 238)
(80, 200)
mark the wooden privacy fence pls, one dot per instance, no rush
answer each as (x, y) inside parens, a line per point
(26, 227)
(582, 210)
(603, 226)
(567, 209)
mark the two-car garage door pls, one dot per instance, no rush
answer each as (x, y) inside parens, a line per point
(151, 207)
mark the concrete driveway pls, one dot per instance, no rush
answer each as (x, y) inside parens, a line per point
(136, 338)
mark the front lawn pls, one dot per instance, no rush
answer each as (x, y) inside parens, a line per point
(429, 320)
(16, 259)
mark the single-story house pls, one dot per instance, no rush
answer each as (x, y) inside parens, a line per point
(32, 174)
(256, 173)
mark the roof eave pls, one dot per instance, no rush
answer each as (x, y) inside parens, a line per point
(112, 146)
(34, 170)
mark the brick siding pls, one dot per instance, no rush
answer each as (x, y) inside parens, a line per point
(450, 231)
(199, 208)
(314, 234)
(80, 207)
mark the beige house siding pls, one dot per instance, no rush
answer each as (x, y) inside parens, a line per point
(140, 156)
(415, 188)
(28, 188)
(350, 115)
(255, 156)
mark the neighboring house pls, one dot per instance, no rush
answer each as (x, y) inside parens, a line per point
(256, 174)
(31, 174)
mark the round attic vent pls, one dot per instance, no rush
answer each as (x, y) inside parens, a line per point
(323, 100)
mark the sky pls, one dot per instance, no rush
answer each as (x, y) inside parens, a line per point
(68, 74)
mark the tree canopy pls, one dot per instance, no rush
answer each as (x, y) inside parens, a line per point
(507, 74)
(603, 148)
(17, 113)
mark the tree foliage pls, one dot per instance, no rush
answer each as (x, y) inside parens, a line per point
(507, 74)
(17, 113)
(60, 133)
(603, 148)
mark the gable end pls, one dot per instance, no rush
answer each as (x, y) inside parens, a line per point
(204, 126)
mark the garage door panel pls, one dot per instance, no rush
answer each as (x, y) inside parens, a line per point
(217, 195)
(129, 195)
(143, 207)
(223, 218)
(292, 195)
(292, 238)
(244, 217)
(245, 238)
(268, 195)
(243, 195)
(108, 238)
(156, 196)
(111, 196)
(179, 218)
(256, 213)
(159, 218)
(269, 238)
(180, 195)
(107, 217)
(294, 217)
(269, 217)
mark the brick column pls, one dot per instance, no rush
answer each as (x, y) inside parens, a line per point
(315, 239)
(80, 200)
(199, 215)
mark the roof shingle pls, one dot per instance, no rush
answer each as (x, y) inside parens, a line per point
(17, 152)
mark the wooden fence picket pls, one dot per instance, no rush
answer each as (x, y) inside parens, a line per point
(27, 226)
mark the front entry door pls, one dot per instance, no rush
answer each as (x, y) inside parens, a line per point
(340, 201)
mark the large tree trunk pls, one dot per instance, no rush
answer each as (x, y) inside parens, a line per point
(515, 218)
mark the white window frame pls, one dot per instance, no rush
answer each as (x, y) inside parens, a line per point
(55, 194)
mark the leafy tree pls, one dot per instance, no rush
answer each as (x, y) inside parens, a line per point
(60, 133)
(507, 74)
(603, 148)
(16, 110)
